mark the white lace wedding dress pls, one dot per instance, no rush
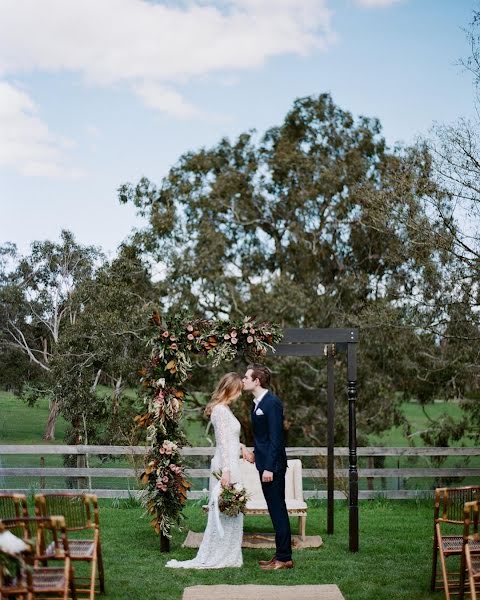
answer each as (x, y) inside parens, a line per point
(222, 541)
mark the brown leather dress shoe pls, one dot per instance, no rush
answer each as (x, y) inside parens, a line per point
(278, 564)
(263, 563)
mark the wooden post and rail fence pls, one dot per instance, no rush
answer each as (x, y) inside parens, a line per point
(81, 476)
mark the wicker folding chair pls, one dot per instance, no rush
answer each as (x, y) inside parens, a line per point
(472, 562)
(38, 580)
(470, 540)
(82, 519)
(449, 535)
(13, 506)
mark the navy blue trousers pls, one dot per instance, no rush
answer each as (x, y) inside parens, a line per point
(274, 493)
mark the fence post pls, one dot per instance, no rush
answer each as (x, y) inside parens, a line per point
(82, 482)
(42, 478)
(371, 465)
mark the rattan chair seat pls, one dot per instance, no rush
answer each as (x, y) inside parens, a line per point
(475, 561)
(48, 578)
(78, 549)
(453, 544)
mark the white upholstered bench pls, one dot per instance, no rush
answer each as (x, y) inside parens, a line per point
(296, 505)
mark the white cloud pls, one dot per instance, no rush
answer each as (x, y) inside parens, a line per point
(26, 143)
(152, 47)
(377, 3)
(161, 98)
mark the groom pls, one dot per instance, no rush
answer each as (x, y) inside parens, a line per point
(270, 459)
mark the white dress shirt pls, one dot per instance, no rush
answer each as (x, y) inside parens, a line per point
(258, 400)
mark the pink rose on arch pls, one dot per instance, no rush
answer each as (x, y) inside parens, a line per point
(234, 340)
(165, 334)
(162, 450)
(165, 479)
(172, 338)
(226, 336)
(190, 336)
(244, 330)
(173, 347)
(173, 467)
(189, 327)
(252, 330)
(233, 333)
(249, 339)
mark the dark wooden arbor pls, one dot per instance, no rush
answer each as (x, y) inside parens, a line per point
(327, 342)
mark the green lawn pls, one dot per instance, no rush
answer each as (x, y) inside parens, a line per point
(419, 421)
(395, 537)
(393, 563)
(22, 424)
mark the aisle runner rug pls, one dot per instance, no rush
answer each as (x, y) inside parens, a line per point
(259, 540)
(265, 592)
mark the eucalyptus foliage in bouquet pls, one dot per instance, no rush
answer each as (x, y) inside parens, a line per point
(232, 499)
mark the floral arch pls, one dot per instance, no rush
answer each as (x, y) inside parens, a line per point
(164, 378)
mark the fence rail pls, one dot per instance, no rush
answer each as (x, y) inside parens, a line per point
(82, 474)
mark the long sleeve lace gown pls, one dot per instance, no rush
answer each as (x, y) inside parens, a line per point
(222, 541)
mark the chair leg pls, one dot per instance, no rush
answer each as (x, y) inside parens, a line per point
(93, 577)
(463, 572)
(302, 524)
(73, 589)
(101, 573)
(433, 582)
(444, 575)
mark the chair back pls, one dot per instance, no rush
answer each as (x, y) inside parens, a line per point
(450, 502)
(13, 506)
(470, 521)
(40, 533)
(293, 481)
(79, 510)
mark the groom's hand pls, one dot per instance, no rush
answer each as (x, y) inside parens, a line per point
(267, 476)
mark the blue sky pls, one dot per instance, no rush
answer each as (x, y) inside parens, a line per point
(97, 93)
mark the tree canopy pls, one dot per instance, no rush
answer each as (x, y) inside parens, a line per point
(287, 225)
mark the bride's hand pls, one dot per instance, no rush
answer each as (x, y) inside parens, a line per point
(225, 480)
(247, 455)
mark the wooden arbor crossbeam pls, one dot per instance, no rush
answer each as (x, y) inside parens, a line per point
(325, 342)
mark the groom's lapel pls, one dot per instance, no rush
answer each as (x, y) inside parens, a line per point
(261, 401)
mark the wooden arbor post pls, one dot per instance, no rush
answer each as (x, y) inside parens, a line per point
(320, 342)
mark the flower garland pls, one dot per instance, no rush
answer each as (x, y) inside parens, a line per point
(170, 365)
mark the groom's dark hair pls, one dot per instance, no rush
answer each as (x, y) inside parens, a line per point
(262, 373)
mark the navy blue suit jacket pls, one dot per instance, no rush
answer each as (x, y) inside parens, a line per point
(270, 452)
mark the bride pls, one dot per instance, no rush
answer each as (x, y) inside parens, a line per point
(222, 541)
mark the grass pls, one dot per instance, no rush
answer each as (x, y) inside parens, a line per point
(393, 563)
(21, 424)
(419, 421)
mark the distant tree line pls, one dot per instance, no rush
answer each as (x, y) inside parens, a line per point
(315, 223)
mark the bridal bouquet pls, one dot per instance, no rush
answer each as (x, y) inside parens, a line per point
(232, 499)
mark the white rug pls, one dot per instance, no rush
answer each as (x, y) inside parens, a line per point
(262, 592)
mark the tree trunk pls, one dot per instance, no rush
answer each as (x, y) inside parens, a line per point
(117, 392)
(52, 420)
